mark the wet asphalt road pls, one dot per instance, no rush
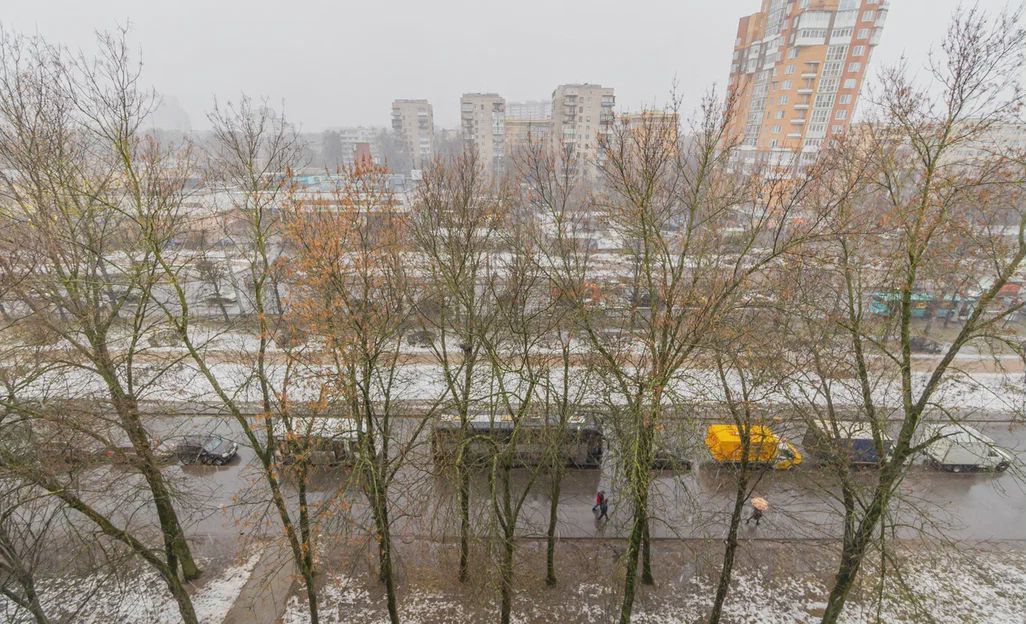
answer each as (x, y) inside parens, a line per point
(222, 502)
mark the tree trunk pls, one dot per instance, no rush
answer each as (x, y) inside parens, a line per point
(463, 494)
(175, 546)
(852, 554)
(731, 549)
(32, 601)
(646, 554)
(181, 597)
(550, 546)
(304, 558)
(633, 549)
(385, 571)
(29, 601)
(506, 574)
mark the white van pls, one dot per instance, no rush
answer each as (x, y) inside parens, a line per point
(958, 448)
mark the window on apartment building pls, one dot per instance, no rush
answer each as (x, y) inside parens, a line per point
(837, 130)
(824, 100)
(780, 114)
(863, 33)
(783, 99)
(841, 114)
(837, 52)
(820, 115)
(773, 143)
(868, 15)
(786, 84)
(853, 68)
(849, 83)
(845, 98)
(789, 69)
(858, 50)
(776, 129)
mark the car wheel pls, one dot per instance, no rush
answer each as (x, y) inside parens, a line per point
(1003, 466)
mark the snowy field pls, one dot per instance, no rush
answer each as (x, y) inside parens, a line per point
(978, 588)
(137, 597)
(982, 589)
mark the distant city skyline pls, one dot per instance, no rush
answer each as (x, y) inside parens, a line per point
(348, 75)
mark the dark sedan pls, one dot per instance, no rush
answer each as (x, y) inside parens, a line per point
(211, 449)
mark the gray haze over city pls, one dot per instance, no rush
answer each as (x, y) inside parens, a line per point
(342, 63)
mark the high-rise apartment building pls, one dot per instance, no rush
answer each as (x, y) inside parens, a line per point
(482, 127)
(581, 114)
(796, 74)
(413, 121)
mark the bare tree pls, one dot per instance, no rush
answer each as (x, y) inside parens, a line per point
(454, 227)
(252, 159)
(354, 293)
(931, 206)
(82, 180)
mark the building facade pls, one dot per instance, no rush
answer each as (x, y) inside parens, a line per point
(532, 110)
(413, 121)
(796, 74)
(523, 133)
(582, 116)
(482, 127)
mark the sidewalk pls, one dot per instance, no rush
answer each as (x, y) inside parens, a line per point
(264, 596)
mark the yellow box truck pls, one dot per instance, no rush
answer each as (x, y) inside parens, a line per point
(765, 447)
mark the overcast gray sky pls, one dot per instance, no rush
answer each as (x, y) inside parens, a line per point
(342, 63)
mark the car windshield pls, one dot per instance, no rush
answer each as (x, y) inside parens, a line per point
(212, 444)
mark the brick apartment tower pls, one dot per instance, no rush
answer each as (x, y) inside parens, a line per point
(797, 71)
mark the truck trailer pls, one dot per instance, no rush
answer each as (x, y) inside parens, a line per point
(959, 448)
(318, 441)
(849, 442)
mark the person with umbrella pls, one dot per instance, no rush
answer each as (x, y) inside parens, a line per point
(759, 506)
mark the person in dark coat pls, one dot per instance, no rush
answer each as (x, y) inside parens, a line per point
(604, 509)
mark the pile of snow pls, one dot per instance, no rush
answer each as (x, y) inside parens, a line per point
(141, 597)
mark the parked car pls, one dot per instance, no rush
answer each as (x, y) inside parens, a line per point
(764, 447)
(922, 344)
(209, 449)
(958, 448)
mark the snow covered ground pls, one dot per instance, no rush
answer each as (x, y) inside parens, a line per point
(137, 597)
(980, 589)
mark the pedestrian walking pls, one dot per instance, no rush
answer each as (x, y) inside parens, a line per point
(759, 506)
(599, 497)
(604, 509)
